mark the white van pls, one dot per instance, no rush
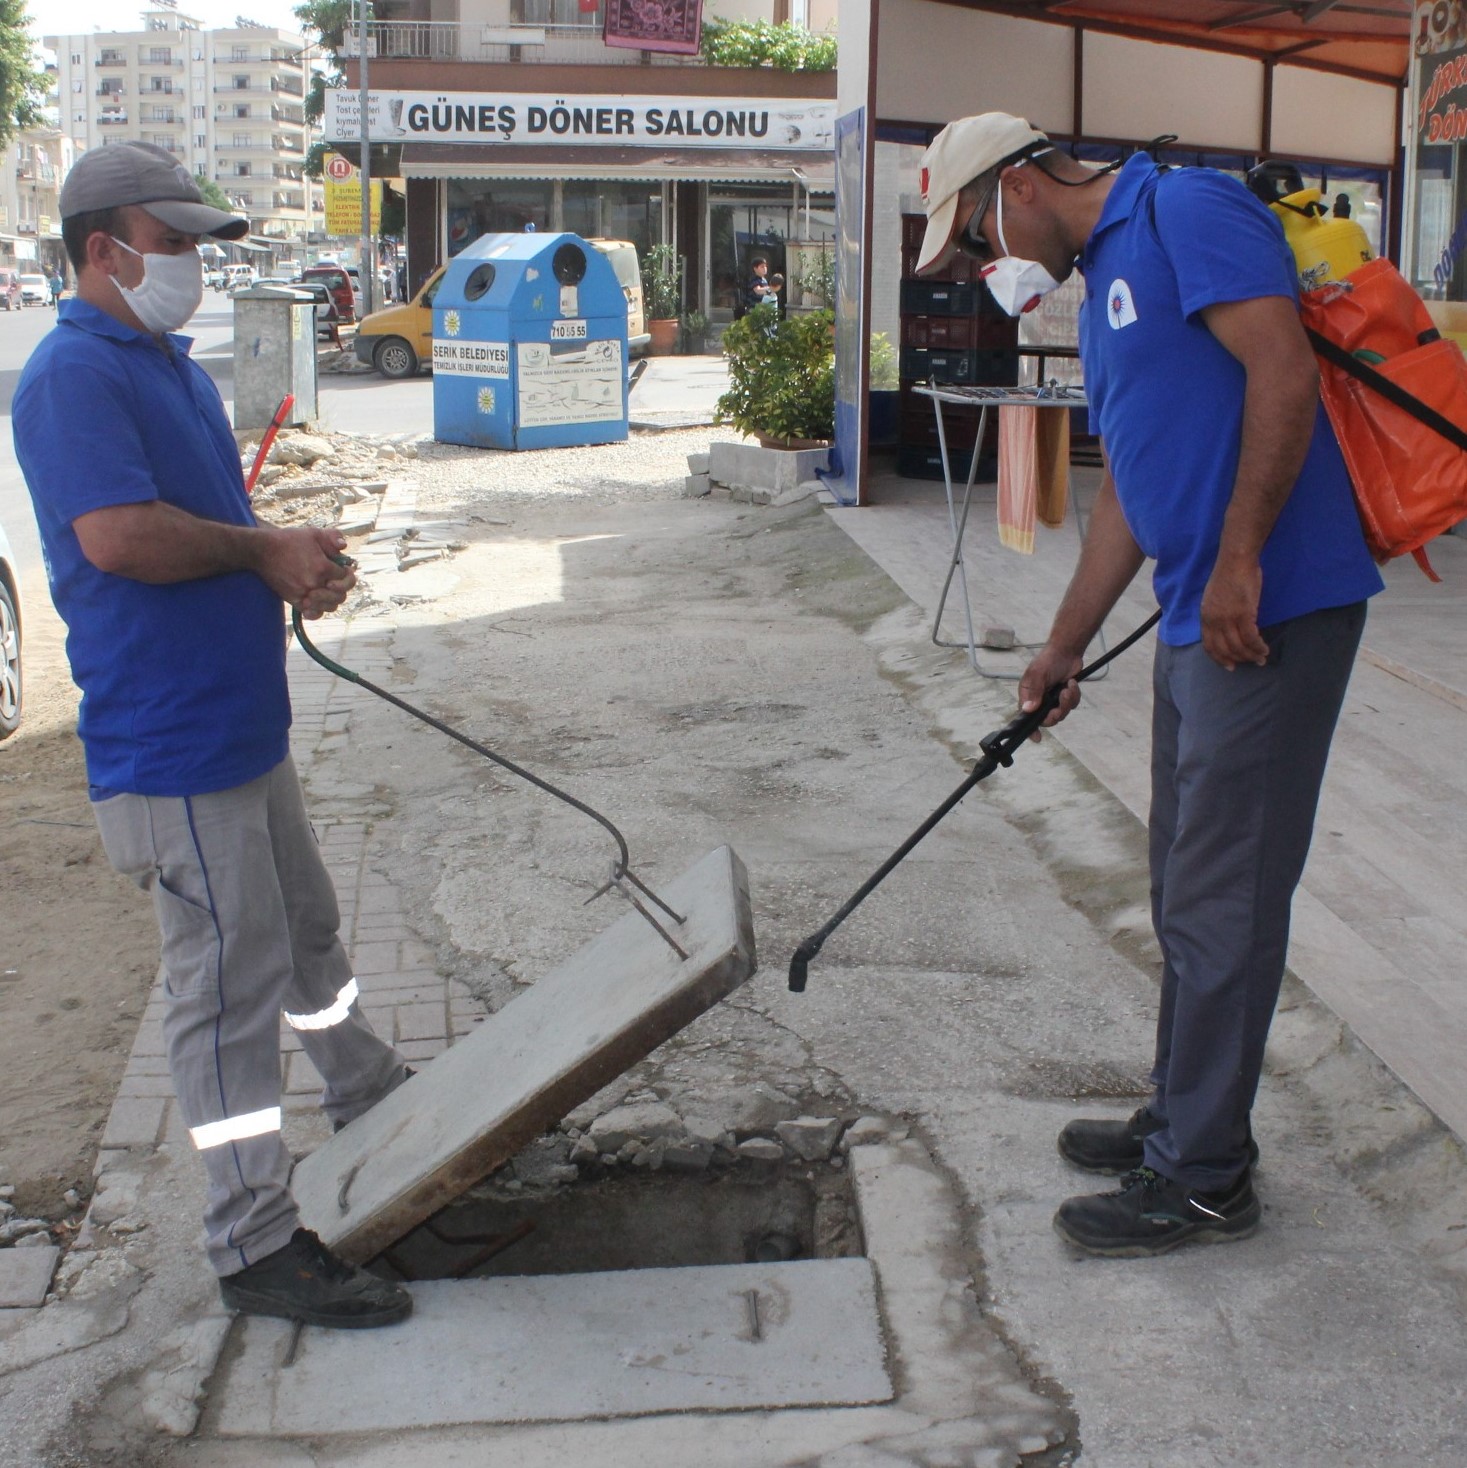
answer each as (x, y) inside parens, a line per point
(238, 276)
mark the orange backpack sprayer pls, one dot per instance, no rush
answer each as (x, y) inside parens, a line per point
(1395, 391)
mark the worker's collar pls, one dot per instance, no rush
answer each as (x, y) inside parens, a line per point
(1121, 201)
(80, 313)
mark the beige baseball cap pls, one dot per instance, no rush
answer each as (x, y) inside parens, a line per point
(954, 158)
(139, 173)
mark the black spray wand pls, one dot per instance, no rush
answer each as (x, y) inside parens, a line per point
(998, 749)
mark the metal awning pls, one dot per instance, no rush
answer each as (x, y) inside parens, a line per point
(1369, 38)
(810, 168)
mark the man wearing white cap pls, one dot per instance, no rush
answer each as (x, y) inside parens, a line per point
(1222, 469)
(173, 599)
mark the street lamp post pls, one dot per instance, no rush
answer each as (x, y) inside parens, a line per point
(369, 250)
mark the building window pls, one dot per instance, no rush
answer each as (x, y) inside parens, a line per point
(241, 109)
(201, 140)
(199, 114)
(553, 12)
(160, 55)
(76, 58)
(160, 84)
(242, 170)
(239, 53)
(241, 83)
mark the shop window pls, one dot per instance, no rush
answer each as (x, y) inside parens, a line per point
(494, 206)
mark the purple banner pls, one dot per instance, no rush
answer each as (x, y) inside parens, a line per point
(655, 25)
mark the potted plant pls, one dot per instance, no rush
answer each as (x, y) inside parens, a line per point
(782, 393)
(662, 297)
(781, 379)
(695, 333)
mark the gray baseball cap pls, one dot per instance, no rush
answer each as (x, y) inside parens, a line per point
(139, 173)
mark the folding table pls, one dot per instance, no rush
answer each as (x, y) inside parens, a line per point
(1050, 395)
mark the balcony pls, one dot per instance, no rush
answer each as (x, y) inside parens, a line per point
(108, 119)
(446, 40)
(111, 91)
(290, 201)
(290, 116)
(111, 58)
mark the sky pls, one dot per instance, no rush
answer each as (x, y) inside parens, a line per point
(76, 17)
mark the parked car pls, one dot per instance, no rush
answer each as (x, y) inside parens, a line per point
(327, 318)
(338, 282)
(35, 290)
(9, 640)
(398, 341)
(10, 297)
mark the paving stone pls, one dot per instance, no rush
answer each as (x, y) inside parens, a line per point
(422, 1021)
(25, 1275)
(640, 1341)
(582, 1025)
(135, 1122)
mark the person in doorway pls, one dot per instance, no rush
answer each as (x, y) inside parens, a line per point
(173, 598)
(758, 290)
(1222, 469)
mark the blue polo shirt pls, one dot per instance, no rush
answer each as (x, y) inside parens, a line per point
(183, 686)
(1167, 397)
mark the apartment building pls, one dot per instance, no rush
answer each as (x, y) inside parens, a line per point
(229, 103)
(508, 114)
(32, 168)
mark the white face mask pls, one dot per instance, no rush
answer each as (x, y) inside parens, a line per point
(170, 291)
(1018, 285)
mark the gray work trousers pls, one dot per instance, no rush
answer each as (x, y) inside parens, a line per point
(1237, 760)
(249, 922)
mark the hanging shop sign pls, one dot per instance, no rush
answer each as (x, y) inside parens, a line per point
(613, 121)
(1441, 90)
(343, 193)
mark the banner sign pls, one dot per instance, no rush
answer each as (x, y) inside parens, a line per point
(488, 118)
(1441, 87)
(342, 182)
(654, 25)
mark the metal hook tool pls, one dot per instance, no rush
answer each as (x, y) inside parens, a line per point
(621, 871)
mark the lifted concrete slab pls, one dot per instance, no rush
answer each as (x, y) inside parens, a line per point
(562, 1348)
(605, 1008)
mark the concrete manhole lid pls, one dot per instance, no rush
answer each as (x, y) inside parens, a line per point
(561, 1348)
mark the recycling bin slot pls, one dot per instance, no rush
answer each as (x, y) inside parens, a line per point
(530, 345)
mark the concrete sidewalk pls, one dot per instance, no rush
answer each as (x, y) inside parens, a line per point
(713, 672)
(1380, 924)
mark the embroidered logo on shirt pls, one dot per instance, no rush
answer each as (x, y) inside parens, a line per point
(1120, 309)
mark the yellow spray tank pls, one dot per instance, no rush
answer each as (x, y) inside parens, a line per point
(1327, 248)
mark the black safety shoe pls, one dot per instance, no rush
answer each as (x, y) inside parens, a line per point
(305, 1281)
(1116, 1147)
(1150, 1214)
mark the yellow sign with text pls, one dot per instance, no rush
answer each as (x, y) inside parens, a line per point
(343, 182)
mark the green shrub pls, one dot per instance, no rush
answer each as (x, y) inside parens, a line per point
(884, 376)
(662, 283)
(785, 47)
(781, 375)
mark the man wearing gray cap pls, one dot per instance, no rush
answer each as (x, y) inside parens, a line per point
(173, 599)
(1222, 469)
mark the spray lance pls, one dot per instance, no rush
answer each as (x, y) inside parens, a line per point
(998, 749)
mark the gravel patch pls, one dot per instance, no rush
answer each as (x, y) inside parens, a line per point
(648, 466)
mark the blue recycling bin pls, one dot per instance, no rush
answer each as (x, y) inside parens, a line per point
(529, 345)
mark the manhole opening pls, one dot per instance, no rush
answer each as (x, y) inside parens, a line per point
(748, 1213)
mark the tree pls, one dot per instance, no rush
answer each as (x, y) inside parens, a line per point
(23, 87)
(212, 193)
